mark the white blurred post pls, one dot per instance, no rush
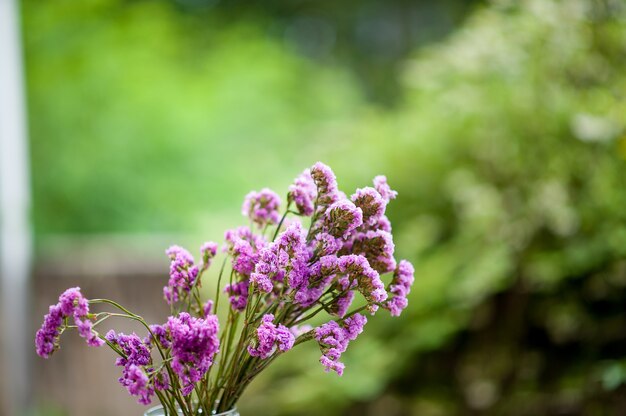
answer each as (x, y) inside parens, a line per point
(15, 231)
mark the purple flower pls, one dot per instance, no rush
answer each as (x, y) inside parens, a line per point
(183, 274)
(269, 337)
(378, 249)
(400, 287)
(194, 344)
(341, 304)
(380, 183)
(137, 383)
(303, 193)
(371, 203)
(243, 233)
(325, 244)
(238, 294)
(136, 356)
(47, 338)
(243, 246)
(284, 259)
(356, 268)
(160, 332)
(321, 273)
(342, 218)
(71, 304)
(326, 183)
(262, 207)
(334, 338)
(208, 251)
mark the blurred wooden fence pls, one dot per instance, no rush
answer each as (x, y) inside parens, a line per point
(79, 380)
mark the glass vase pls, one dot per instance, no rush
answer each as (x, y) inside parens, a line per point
(158, 411)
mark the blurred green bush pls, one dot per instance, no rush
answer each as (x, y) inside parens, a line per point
(145, 119)
(509, 160)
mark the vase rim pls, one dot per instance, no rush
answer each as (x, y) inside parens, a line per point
(226, 413)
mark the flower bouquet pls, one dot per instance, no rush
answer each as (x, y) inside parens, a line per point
(277, 276)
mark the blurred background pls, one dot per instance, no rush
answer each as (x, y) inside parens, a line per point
(502, 125)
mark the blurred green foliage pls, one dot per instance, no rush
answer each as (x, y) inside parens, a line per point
(509, 160)
(507, 150)
(143, 120)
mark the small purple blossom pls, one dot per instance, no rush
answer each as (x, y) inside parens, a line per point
(284, 259)
(326, 183)
(400, 287)
(262, 207)
(321, 273)
(378, 248)
(183, 274)
(303, 193)
(137, 383)
(238, 294)
(243, 246)
(325, 244)
(380, 183)
(334, 338)
(371, 203)
(341, 304)
(269, 337)
(208, 251)
(47, 338)
(71, 304)
(342, 218)
(136, 356)
(368, 280)
(194, 344)
(160, 333)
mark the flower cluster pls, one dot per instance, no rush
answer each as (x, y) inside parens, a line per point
(135, 359)
(282, 273)
(71, 304)
(262, 207)
(194, 343)
(400, 287)
(269, 337)
(284, 259)
(183, 274)
(334, 338)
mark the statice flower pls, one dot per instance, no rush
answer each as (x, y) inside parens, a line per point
(380, 183)
(137, 383)
(71, 304)
(238, 294)
(356, 268)
(183, 274)
(341, 304)
(262, 207)
(243, 246)
(325, 244)
(243, 233)
(342, 218)
(400, 287)
(303, 193)
(136, 350)
(47, 338)
(208, 251)
(284, 259)
(136, 356)
(269, 337)
(326, 183)
(334, 337)
(160, 333)
(371, 204)
(378, 249)
(194, 344)
(321, 274)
